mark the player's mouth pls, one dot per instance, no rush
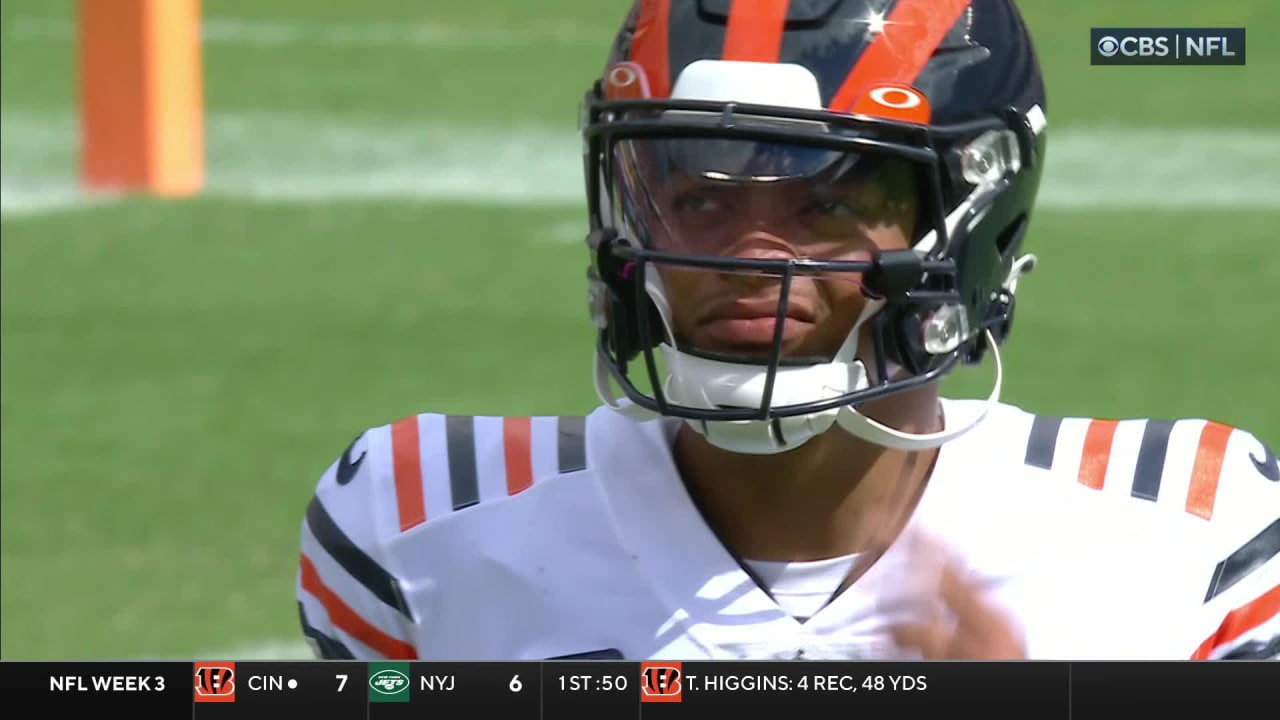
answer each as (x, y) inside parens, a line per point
(748, 324)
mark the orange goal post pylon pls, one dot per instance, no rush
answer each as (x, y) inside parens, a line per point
(141, 96)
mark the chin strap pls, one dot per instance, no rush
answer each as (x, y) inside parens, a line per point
(864, 427)
(1022, 266)
(849, 419)
(604, 389)
(859, 425)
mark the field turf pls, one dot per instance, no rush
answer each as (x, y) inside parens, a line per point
(393, 224)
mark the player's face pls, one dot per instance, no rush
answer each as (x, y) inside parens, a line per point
(843, 213)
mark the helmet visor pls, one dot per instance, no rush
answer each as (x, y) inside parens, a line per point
(700, 196)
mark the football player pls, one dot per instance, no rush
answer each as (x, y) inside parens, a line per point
(803, 215)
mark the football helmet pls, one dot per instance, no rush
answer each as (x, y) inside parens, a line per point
(748, 94)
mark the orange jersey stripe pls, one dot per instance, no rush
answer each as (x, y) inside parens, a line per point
(649, 46)
(754, 31)
(407, 467)
(1097, 453)
(1240, 621)
(1207, 469)
(516, 453)
(913, 30)
(348, 620)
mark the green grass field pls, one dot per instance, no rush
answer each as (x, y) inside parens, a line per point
(392, 224)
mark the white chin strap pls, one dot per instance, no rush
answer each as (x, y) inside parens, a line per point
(700, 382)
(861, 426)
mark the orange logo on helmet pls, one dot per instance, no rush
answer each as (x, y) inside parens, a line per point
(893, 101)
(626, 81)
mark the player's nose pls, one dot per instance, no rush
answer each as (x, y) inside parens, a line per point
(758, 244)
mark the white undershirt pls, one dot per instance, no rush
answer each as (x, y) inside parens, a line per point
(802, 588)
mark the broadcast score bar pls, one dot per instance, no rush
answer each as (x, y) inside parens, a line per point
(564, 690)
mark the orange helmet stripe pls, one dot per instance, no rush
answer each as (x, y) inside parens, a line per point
(754, 31)
(913, 30)
(649, 47)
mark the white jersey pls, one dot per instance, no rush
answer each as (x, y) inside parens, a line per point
(459, 538)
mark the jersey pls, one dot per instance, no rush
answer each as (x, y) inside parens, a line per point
(466, 538)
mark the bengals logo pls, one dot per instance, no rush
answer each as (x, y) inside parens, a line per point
(215, 682)
(661, 682)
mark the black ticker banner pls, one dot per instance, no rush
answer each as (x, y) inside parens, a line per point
(568, 690)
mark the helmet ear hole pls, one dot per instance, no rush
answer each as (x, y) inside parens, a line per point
(999, 314)
(1010, 238)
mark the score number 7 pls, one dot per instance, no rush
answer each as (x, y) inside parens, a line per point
(342, 681)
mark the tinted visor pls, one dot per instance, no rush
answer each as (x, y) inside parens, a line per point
(698, 195)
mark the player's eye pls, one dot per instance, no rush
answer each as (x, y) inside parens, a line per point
(832, 208)
(695, 202)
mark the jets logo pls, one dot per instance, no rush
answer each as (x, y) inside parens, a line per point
(661, 682)
(388, 682)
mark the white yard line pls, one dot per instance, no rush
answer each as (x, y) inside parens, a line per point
(290, 33)
(41, 197)
(294, 158)
(1162, 169)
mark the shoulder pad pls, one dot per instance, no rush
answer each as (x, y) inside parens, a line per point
(430, 465)
(1173, 463)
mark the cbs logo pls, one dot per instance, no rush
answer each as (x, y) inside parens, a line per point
(1110, 46)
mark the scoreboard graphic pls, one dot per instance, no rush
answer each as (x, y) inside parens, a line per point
(564, 689)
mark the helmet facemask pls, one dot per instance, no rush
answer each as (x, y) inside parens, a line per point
(672, 183)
